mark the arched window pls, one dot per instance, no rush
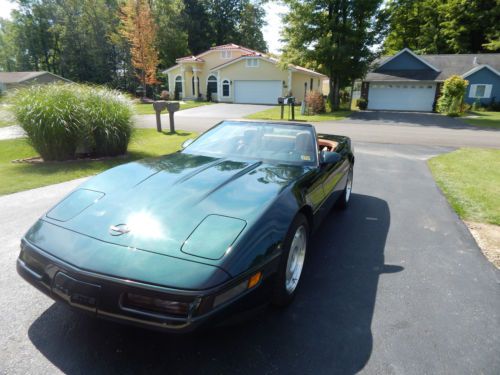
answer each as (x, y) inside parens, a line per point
(225, 88)
(178, 84)
(212, 84)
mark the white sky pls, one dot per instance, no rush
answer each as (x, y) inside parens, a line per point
(271, 31)
(5, 8)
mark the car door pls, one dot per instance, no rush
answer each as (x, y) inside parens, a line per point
(335, 177)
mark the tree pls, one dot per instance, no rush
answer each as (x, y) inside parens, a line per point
(333, 36)
(224, 16)
(250, 26)
(140, 31)
(196, 22)
(437, 26)
(171, 40)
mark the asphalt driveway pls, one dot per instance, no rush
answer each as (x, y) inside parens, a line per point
(393, 285)
(407, 119)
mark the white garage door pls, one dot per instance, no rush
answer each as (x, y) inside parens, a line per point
(401, 96)
(257, 92)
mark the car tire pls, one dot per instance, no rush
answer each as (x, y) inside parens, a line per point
(344, 199)
(292, 262)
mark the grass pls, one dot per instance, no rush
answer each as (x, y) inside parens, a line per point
(484, 119)
(275, 114)
(470, 179)
(22, 176)
(147, 109)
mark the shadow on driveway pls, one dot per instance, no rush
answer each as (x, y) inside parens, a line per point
(327, 329)
(411, 119)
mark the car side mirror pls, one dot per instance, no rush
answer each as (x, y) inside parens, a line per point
(187, 142)
(328, 157)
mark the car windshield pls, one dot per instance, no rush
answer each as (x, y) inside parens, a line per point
(281, 143)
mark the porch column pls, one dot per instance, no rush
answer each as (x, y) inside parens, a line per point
(289, 81)
(219, 87)
(196, 84)
(183, 75)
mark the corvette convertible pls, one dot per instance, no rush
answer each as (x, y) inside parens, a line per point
(173, 242)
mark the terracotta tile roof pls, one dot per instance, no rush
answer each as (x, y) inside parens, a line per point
(233, 46)
(189, 58)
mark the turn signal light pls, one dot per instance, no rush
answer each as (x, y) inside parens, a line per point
(254, 280)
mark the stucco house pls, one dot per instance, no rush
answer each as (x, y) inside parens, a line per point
(9, 80)
(236, 74)
(411, 82)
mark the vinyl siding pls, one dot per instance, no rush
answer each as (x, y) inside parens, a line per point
(484, 76)
(405, 61)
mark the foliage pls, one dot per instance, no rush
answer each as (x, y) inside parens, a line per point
(362, 104)
(469, 178)
(315, 103)
(436, 26)
(60, 118)
(171, 40)
(140, 30)
(452, 95)
(21, 176)
(333, 36)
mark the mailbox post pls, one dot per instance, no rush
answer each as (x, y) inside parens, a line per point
(281, 102)
(172, 107)
(159, 106)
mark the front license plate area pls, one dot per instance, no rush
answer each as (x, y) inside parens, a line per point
(77, 293)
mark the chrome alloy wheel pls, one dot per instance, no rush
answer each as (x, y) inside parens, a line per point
(296, 258)
(348, 187)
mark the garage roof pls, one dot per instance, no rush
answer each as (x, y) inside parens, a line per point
(447, 64)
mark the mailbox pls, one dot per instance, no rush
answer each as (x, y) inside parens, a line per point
(171, 107)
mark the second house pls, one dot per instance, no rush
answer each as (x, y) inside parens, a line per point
(236, 74)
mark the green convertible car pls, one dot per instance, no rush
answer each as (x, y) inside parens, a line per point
(176, 241)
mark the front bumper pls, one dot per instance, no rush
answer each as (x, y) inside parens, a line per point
(103, 296)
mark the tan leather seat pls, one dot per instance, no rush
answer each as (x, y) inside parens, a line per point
(330, 145)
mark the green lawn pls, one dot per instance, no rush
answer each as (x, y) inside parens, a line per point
(275, 113)
(16, 177)
(484, 119)
(470, 179)
(147, 109)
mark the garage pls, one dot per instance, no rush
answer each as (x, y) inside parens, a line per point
(401, 96)
(257, 92)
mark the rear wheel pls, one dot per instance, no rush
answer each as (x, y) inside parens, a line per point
(343, 201)
(292, 262)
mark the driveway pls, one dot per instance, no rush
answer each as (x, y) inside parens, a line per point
(201, 118)
(394, 285)
(407, 119)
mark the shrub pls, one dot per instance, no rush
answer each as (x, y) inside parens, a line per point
(61, 118)
(315, 102)
(362, 104)
(452, 95)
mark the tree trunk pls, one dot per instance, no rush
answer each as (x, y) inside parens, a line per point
(334, 95)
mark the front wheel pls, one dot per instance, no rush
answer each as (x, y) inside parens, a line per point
(292, 262)
(343, 201)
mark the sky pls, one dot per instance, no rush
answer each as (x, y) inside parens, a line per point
(271, 31)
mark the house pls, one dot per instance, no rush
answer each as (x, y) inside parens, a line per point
(10, 80)
(236, 74)
(411, 82)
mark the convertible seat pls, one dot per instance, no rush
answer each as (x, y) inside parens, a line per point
(329, 145)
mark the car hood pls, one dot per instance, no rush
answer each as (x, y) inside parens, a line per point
(156, 204)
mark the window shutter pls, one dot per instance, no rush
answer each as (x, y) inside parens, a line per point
(487, 91)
